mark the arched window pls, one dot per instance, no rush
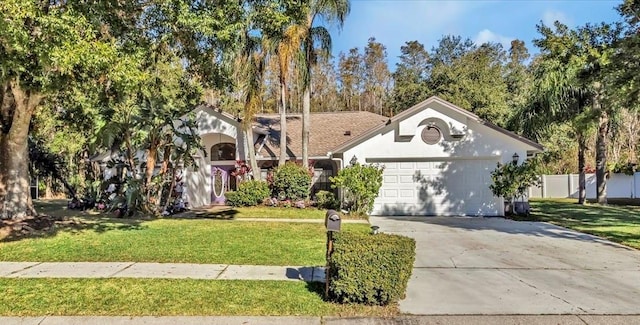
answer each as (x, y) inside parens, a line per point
(223, 151)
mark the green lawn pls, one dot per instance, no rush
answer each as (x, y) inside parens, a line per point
(88, 236)
(177, 240)
(35, 297)
(618, 223)
(58, 208)
(256, 212)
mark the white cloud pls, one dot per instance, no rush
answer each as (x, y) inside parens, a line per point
(487, 36)
(549, 17)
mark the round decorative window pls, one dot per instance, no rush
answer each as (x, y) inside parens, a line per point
(431, 135)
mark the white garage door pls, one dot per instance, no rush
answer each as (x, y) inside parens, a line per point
(459, 187)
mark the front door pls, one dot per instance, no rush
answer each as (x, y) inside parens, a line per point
(219, 183)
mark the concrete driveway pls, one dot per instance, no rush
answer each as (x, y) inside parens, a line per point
(498, 266)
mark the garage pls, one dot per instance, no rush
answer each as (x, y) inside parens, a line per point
(451, 187)
(438, 160)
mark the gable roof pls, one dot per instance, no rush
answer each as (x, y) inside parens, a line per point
(327, 131)
(420, 106)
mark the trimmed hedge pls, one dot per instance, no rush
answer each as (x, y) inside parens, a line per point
(249, 193)
(370, 269)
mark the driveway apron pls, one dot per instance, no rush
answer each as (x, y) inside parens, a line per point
(478, 266)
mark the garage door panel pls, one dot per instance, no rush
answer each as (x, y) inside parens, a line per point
(437, 188)
(390, 179)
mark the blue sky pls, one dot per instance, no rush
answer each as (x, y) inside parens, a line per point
(393, 22)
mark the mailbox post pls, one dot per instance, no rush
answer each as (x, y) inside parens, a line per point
(332, 222)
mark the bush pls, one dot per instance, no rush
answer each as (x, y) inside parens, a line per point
(249, 193)
(291, 182)
(361, 184)
(370, 269)
(326, 200)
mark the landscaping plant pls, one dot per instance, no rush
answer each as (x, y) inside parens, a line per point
(326, 200)
(249, 193)
(361, 183)
(290, 182)
(511, 181)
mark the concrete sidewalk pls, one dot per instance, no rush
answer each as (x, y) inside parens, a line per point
(401, 320)
(159, 271)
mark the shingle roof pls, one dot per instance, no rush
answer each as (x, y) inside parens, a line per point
(327, 132)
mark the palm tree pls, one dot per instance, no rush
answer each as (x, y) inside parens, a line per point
(250, 65)
(287, 47)
(329, 11)
(559, 97)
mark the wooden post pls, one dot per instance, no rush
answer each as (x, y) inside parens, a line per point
(326, 270)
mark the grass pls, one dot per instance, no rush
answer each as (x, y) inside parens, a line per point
(261, 212)
(162, 297)
(58, 208)
(618, 223)
(177, 241)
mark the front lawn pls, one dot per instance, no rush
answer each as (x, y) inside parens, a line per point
(256, 212)
(58, 208)
(176, 240)
(163, 297)
(618, 223)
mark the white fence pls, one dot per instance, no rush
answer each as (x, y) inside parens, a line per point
(566, 186)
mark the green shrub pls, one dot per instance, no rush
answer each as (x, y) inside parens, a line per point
(326, 200)
(370, 269)
(291, 182)
(361, 184)
(249, 193)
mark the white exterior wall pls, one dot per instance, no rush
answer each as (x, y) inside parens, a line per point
(480, 146)
(197, 182)
(213, 128)
(479, 142)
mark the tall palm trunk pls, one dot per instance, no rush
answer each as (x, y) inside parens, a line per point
(582, 183)
(283, 123)
(251, 151)
(601, 145)
(306, 124)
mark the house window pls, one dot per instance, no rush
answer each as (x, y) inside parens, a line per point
(431, 135)
(223, 151)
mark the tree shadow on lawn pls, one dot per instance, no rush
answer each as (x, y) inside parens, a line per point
(44, 226)
(56, 218)
(218, 213)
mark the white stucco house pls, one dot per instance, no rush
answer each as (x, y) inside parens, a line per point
(437, 156)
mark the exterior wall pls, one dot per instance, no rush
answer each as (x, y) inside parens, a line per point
(479, 142)
(197, 182)
(213, 128)
(465, 142)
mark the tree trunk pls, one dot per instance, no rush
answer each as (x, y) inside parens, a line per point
(164, 168)
(14, 156)
(130, 158)
(582, 184)
(283, 123)
(306, 124)
(152, 152)
(601, 157)
(251, 151)
(48, 189)
(601, 148)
